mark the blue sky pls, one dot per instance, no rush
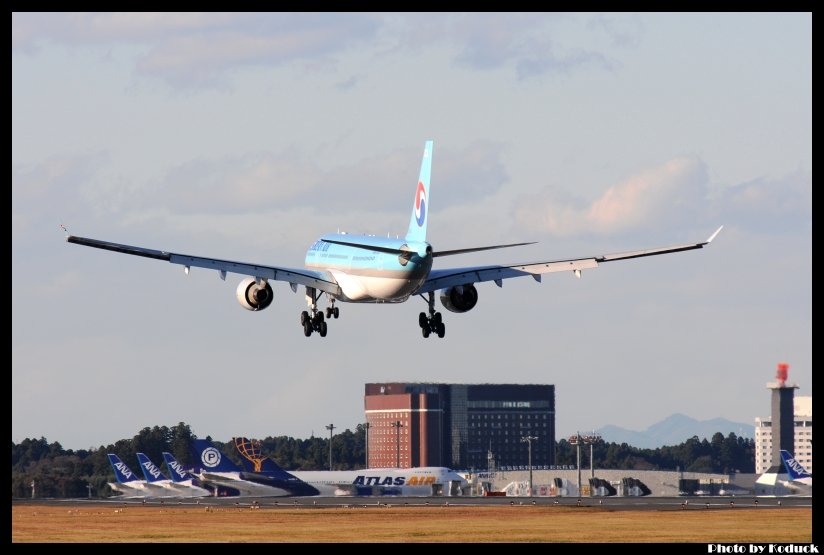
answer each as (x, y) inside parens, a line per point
(247, 136)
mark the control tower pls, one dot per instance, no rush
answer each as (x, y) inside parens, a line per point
(783, 421)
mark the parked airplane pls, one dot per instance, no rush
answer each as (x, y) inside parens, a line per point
(182, 480)
(370, 269)
(422, 481)
(154, 477)
(800, 480)
(216, 470)
(127, 481)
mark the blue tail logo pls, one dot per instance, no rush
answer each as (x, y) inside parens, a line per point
(175, 468)
(121, 472)
(794, 468)
(150, 469)
(420, 204)
(211, 458)
(417, 222)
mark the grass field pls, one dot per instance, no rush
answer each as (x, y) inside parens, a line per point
(48, 523)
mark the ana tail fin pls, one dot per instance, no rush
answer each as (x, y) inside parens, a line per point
(794, 468)
(175, 468)
(150, 469)
(121, 472)
(420, 209)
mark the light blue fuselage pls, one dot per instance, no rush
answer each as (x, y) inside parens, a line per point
(366, 275)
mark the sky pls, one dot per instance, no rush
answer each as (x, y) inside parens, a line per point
(247, 136)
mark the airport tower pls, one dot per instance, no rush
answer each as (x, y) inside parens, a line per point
(783, 421)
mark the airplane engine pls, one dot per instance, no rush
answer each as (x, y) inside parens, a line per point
(462, 298)
(252, 296)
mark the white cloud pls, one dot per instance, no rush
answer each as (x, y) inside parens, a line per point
(671, 192)
(265, 181)
(768, 204)
(192, 49)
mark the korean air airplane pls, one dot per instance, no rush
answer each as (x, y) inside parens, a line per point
(371, 269)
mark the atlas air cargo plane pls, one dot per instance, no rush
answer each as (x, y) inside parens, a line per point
(420, 481)
(371, 269)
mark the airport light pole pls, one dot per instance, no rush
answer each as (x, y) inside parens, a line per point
(398, 424)
(528, 440)
(591, 440)
(576, 441)
(331, 428)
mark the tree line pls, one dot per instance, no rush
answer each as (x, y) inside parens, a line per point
(58, 472)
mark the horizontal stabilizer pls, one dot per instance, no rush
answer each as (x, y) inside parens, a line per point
(477, 249)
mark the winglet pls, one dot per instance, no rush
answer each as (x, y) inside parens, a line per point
(717, 231)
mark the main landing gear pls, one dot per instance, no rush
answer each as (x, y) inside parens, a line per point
(315, 321)
(433, 323)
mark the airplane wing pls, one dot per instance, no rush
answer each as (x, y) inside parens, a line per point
(442, 279)
(320, 280)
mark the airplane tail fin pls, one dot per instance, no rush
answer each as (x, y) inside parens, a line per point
(794, 468)
(150, 469)
(210, 458)
(420, 210)
(121, 472)
(252, 459)
(175, 468)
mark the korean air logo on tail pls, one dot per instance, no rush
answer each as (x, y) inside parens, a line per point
(210, 457)
(420, 204)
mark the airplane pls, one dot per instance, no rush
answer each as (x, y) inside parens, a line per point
(800, 480)
(371, 269)
(219, 472)
(182, 480)
(127, 481)
(154, 477)
(421, 481)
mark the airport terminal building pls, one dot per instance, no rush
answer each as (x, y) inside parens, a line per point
(462, 426)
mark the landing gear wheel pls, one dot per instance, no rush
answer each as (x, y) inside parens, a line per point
(437, 318)
(304, 317)
(440, 329)
(322, 329)
(336, 312)
(307, 328)
(319, 317)
(425, 331)
(423, 321)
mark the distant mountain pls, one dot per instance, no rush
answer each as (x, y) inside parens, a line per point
(674, 430)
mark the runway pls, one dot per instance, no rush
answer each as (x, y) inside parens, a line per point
(606, 503)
